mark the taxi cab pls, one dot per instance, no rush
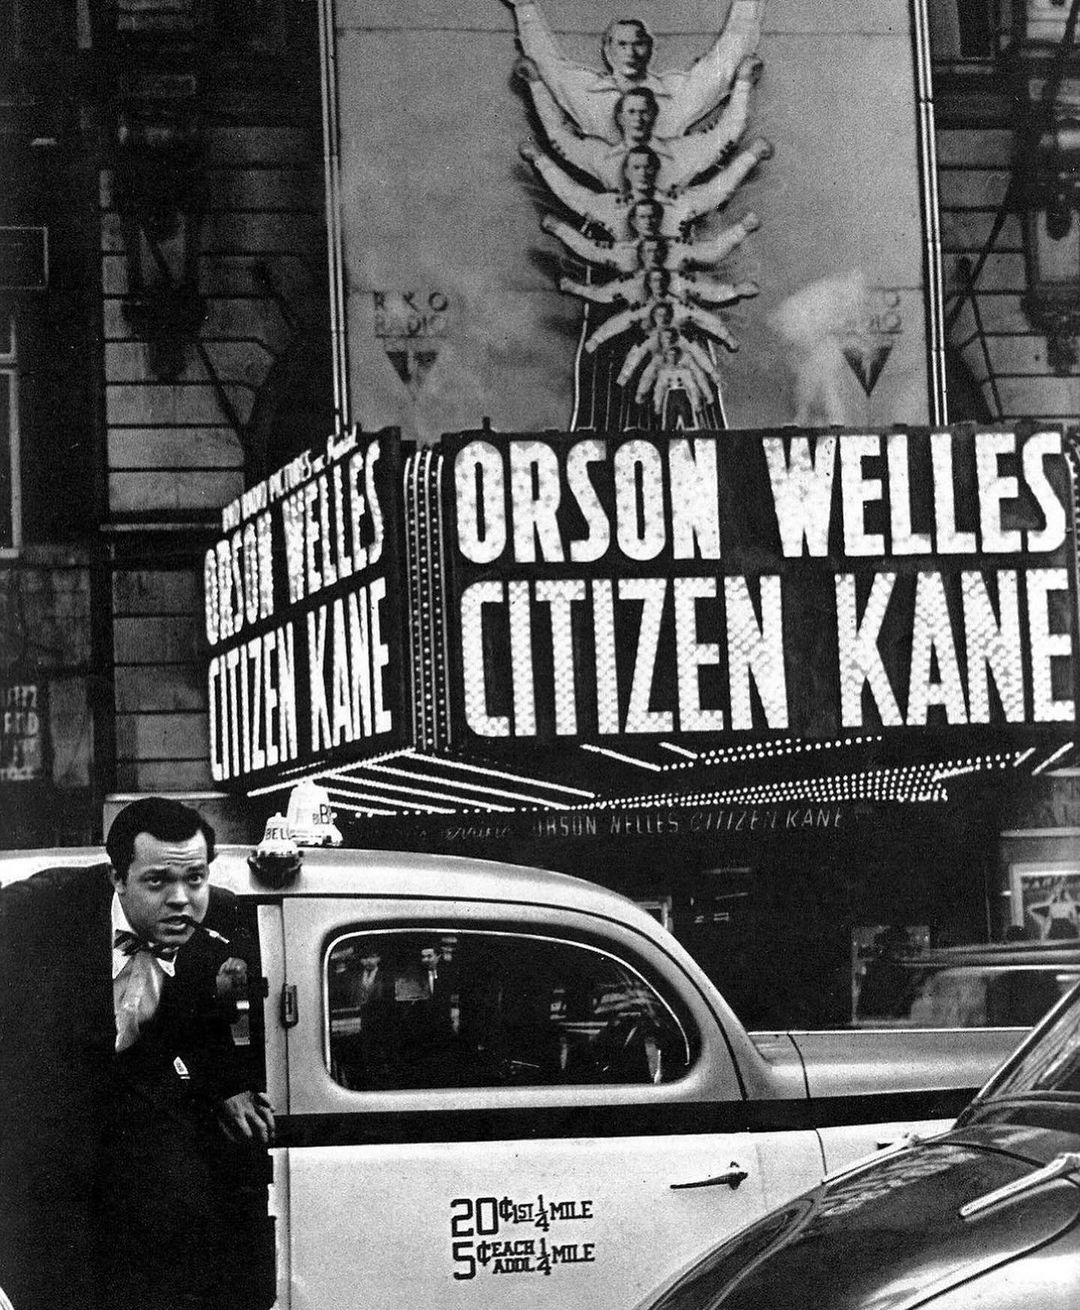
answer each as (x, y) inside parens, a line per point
(498, 1086)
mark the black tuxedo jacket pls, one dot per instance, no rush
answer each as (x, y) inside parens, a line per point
(86, 1134)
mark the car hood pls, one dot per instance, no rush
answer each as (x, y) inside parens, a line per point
(888, 1235)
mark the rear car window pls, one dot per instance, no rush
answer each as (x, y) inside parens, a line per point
(414, 1009)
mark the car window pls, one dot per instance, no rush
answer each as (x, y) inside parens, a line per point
(412, 1009)
(967, 996)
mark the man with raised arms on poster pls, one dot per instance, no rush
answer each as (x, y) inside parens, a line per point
(680, 207)
(682, 158)
(684, 95)
(659, 312)
(655, 283)
(647, 250)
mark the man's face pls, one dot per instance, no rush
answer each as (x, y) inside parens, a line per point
(429, 957)
(635, 118)
(645, 220)
(167, 889)
(639, 170)
(651, 253)
(628, 49)
(656, 282)
(662, 315)
(371, 960)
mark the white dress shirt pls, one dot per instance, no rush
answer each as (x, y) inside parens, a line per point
(137, 983)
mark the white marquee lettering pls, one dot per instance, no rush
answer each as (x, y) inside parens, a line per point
(318, 708)
(994, 645)
(857, 492)
(802, 492)
(859, 658)
(902, 539)
(691, 655)
(473, 600)
(521, 661)
(639, 500)
(535, 495)
(594, 545)
(948, 539)
(607, 672)
(1046, 646)
(639, 717)
(695, 499)
(1037, 449)
(341, 725)
(994, 487)
(560, 596)
(756, 652)
(932, 639)
(480, 491)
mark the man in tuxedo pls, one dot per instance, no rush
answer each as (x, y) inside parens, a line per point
(133, 1134)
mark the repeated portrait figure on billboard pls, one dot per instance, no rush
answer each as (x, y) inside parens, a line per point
(642, 160)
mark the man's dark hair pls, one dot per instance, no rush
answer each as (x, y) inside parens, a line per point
(650, 155)
(165, 819)
(650, 202)
(639, 93)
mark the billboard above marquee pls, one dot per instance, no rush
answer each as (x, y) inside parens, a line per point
(714, 588)
(304, 619)
(575, 214)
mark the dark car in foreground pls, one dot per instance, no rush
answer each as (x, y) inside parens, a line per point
(983, 1217)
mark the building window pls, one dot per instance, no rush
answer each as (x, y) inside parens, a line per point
(970, 30)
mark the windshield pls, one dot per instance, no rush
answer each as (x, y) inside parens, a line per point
(1050, 1065)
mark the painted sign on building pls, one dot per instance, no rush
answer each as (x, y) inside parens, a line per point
(22, 732)
(303, 615)
(711, 588)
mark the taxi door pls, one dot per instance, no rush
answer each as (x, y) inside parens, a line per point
(497, 1106)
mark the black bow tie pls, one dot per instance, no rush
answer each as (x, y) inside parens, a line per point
(131, 944)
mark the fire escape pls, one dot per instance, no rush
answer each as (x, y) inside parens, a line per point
(1007, 102)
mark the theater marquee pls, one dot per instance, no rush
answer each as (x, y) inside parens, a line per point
(302, 612)
(565, 621)
(756, 584)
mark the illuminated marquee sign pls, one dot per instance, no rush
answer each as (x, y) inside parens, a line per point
(303, 619)
(803, 583)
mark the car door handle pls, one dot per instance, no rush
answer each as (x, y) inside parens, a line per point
(734, 1176)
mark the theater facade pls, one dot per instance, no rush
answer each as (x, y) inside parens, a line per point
(639, 442)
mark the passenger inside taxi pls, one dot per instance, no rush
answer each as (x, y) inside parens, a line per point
(410, 1010)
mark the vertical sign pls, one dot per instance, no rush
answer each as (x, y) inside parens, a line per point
(304, 616)
(22, 732)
